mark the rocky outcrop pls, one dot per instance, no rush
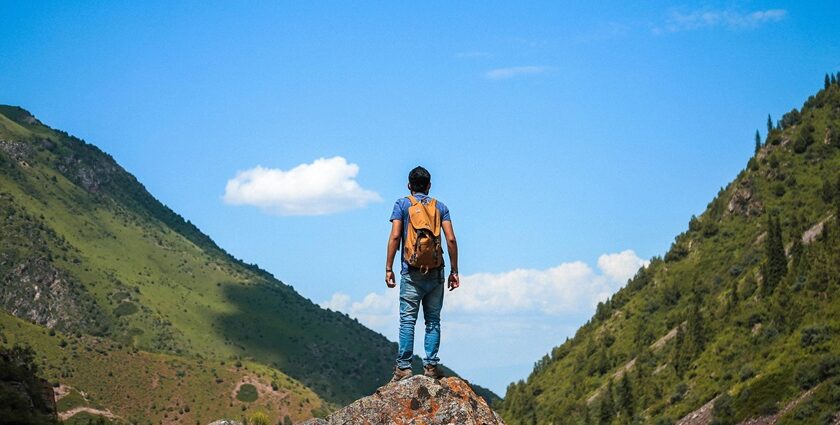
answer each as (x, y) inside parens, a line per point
(414, 401)
(744, 201)
(36, 290)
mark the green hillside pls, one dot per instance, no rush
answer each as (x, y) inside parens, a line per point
(87, 251)
(738, 320)
(127, 385)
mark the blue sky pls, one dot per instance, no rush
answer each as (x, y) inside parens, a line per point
(571, 141)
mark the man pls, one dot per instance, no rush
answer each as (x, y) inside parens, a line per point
(421, 281)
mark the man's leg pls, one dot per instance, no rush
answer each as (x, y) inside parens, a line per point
(432, 304)
(409, 307)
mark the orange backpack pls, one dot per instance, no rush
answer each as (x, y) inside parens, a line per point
(422, 241)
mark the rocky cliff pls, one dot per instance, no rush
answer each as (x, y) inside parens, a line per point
(414, 401)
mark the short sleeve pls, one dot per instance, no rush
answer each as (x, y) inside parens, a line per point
(444, 212)
(396, 214)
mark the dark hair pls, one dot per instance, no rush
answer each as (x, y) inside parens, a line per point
(419, 179)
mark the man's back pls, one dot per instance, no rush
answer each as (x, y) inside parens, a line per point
(420, 286)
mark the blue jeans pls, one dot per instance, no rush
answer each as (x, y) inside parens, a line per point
(417, 288)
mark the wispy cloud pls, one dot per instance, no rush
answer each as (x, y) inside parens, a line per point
(515, 71)
(325, 186)
(729, 19)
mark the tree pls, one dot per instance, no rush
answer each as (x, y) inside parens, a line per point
(837, 198)
(625, 398)
(827, 82)
(696, 332)
(757, 141)
(680, 354)
(602, 362)
(769, 124)
(607, 410)
(775, 261)
(833, 80)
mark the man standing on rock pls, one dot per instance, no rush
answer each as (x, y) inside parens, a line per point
(416, 225)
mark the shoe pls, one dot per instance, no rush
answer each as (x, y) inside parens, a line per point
(400, 374)
(432, 371)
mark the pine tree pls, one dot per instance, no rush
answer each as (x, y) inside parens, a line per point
(769, 124)
(837, 199)
(680, 358)
(827, 82)
(833, 80)
(602, 362)
(625, 398)
(757, 141)
(607, 411)
(775, 265)
(696, 332)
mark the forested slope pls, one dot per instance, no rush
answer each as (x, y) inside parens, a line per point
(739, 316)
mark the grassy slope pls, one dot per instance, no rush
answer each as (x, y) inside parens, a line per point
(145, 388)
(751, 346)
(156, 282)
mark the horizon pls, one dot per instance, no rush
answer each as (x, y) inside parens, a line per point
(602, 130)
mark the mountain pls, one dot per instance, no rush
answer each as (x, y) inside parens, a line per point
(103, 267)
(739, 320)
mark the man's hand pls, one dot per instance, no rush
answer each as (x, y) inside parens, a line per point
(389, 279)
(454, 281)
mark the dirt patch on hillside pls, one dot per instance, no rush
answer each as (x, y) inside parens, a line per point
(67, 414)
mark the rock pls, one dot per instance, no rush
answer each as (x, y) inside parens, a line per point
(815, 231)
(415, 401)
(225, 422)
(743, 201)
(35, 290)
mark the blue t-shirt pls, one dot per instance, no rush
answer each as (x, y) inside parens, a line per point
(401, 213)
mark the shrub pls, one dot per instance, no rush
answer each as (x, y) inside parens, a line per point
(679, 392)
(746, 373)
(247, 393)
(813, 335)
(803, 140)
(258, 418)
(724, 411)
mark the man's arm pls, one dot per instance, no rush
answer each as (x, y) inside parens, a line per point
(452, 249)
(393, 246)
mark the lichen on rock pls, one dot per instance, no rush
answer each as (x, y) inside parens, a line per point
(414, 401)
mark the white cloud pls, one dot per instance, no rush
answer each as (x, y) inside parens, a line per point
(378, 311)
(515, 71)
(530, 309)
(621, 266)
(729, 19)
(325, 186)
(568, 288)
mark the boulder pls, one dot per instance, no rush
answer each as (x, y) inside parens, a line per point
(415, 401)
